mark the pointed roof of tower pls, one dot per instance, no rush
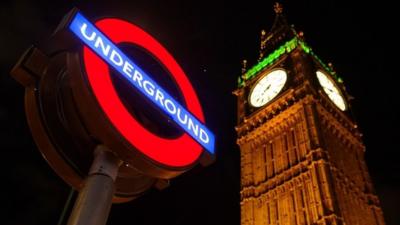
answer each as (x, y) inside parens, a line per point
(281, 39)
(280, 19)
(279, 31)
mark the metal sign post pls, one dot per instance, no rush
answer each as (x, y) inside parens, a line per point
(94, 200)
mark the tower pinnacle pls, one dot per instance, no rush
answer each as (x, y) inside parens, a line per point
(278, 8)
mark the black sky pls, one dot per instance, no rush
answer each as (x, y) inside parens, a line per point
(209, 40)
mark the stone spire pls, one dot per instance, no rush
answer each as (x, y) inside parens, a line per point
(280, 19)
(277, 31)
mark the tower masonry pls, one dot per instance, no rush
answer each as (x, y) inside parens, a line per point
(302, 155)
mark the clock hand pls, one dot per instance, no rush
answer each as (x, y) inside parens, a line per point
(330, 90)
(266, 89)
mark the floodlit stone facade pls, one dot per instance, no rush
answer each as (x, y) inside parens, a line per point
(302, 158)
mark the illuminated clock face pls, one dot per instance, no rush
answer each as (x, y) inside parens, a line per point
(331, 90)
(267, 88)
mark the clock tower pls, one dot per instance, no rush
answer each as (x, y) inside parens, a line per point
(302, 156)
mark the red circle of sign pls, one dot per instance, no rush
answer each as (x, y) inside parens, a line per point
(178, 152)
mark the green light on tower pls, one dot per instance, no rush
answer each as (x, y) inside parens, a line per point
(288, 47)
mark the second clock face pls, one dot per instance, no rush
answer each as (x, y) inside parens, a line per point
(331, 90)
(267, 87)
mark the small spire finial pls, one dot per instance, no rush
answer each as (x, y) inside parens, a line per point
(263, 33)
(262, 43)
(278, 8)
(244, 66)
(300, 35)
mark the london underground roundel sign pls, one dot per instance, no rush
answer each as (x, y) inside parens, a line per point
(101, 52)
(73, 105)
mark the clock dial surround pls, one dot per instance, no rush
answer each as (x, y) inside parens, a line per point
(267, 87)
(331, 90)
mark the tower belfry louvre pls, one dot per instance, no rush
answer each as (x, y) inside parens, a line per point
(302, 155)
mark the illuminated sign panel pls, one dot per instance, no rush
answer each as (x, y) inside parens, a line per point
(109, 52)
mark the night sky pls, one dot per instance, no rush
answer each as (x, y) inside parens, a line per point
(209, 40)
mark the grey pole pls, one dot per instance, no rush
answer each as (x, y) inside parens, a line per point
(94, 200)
